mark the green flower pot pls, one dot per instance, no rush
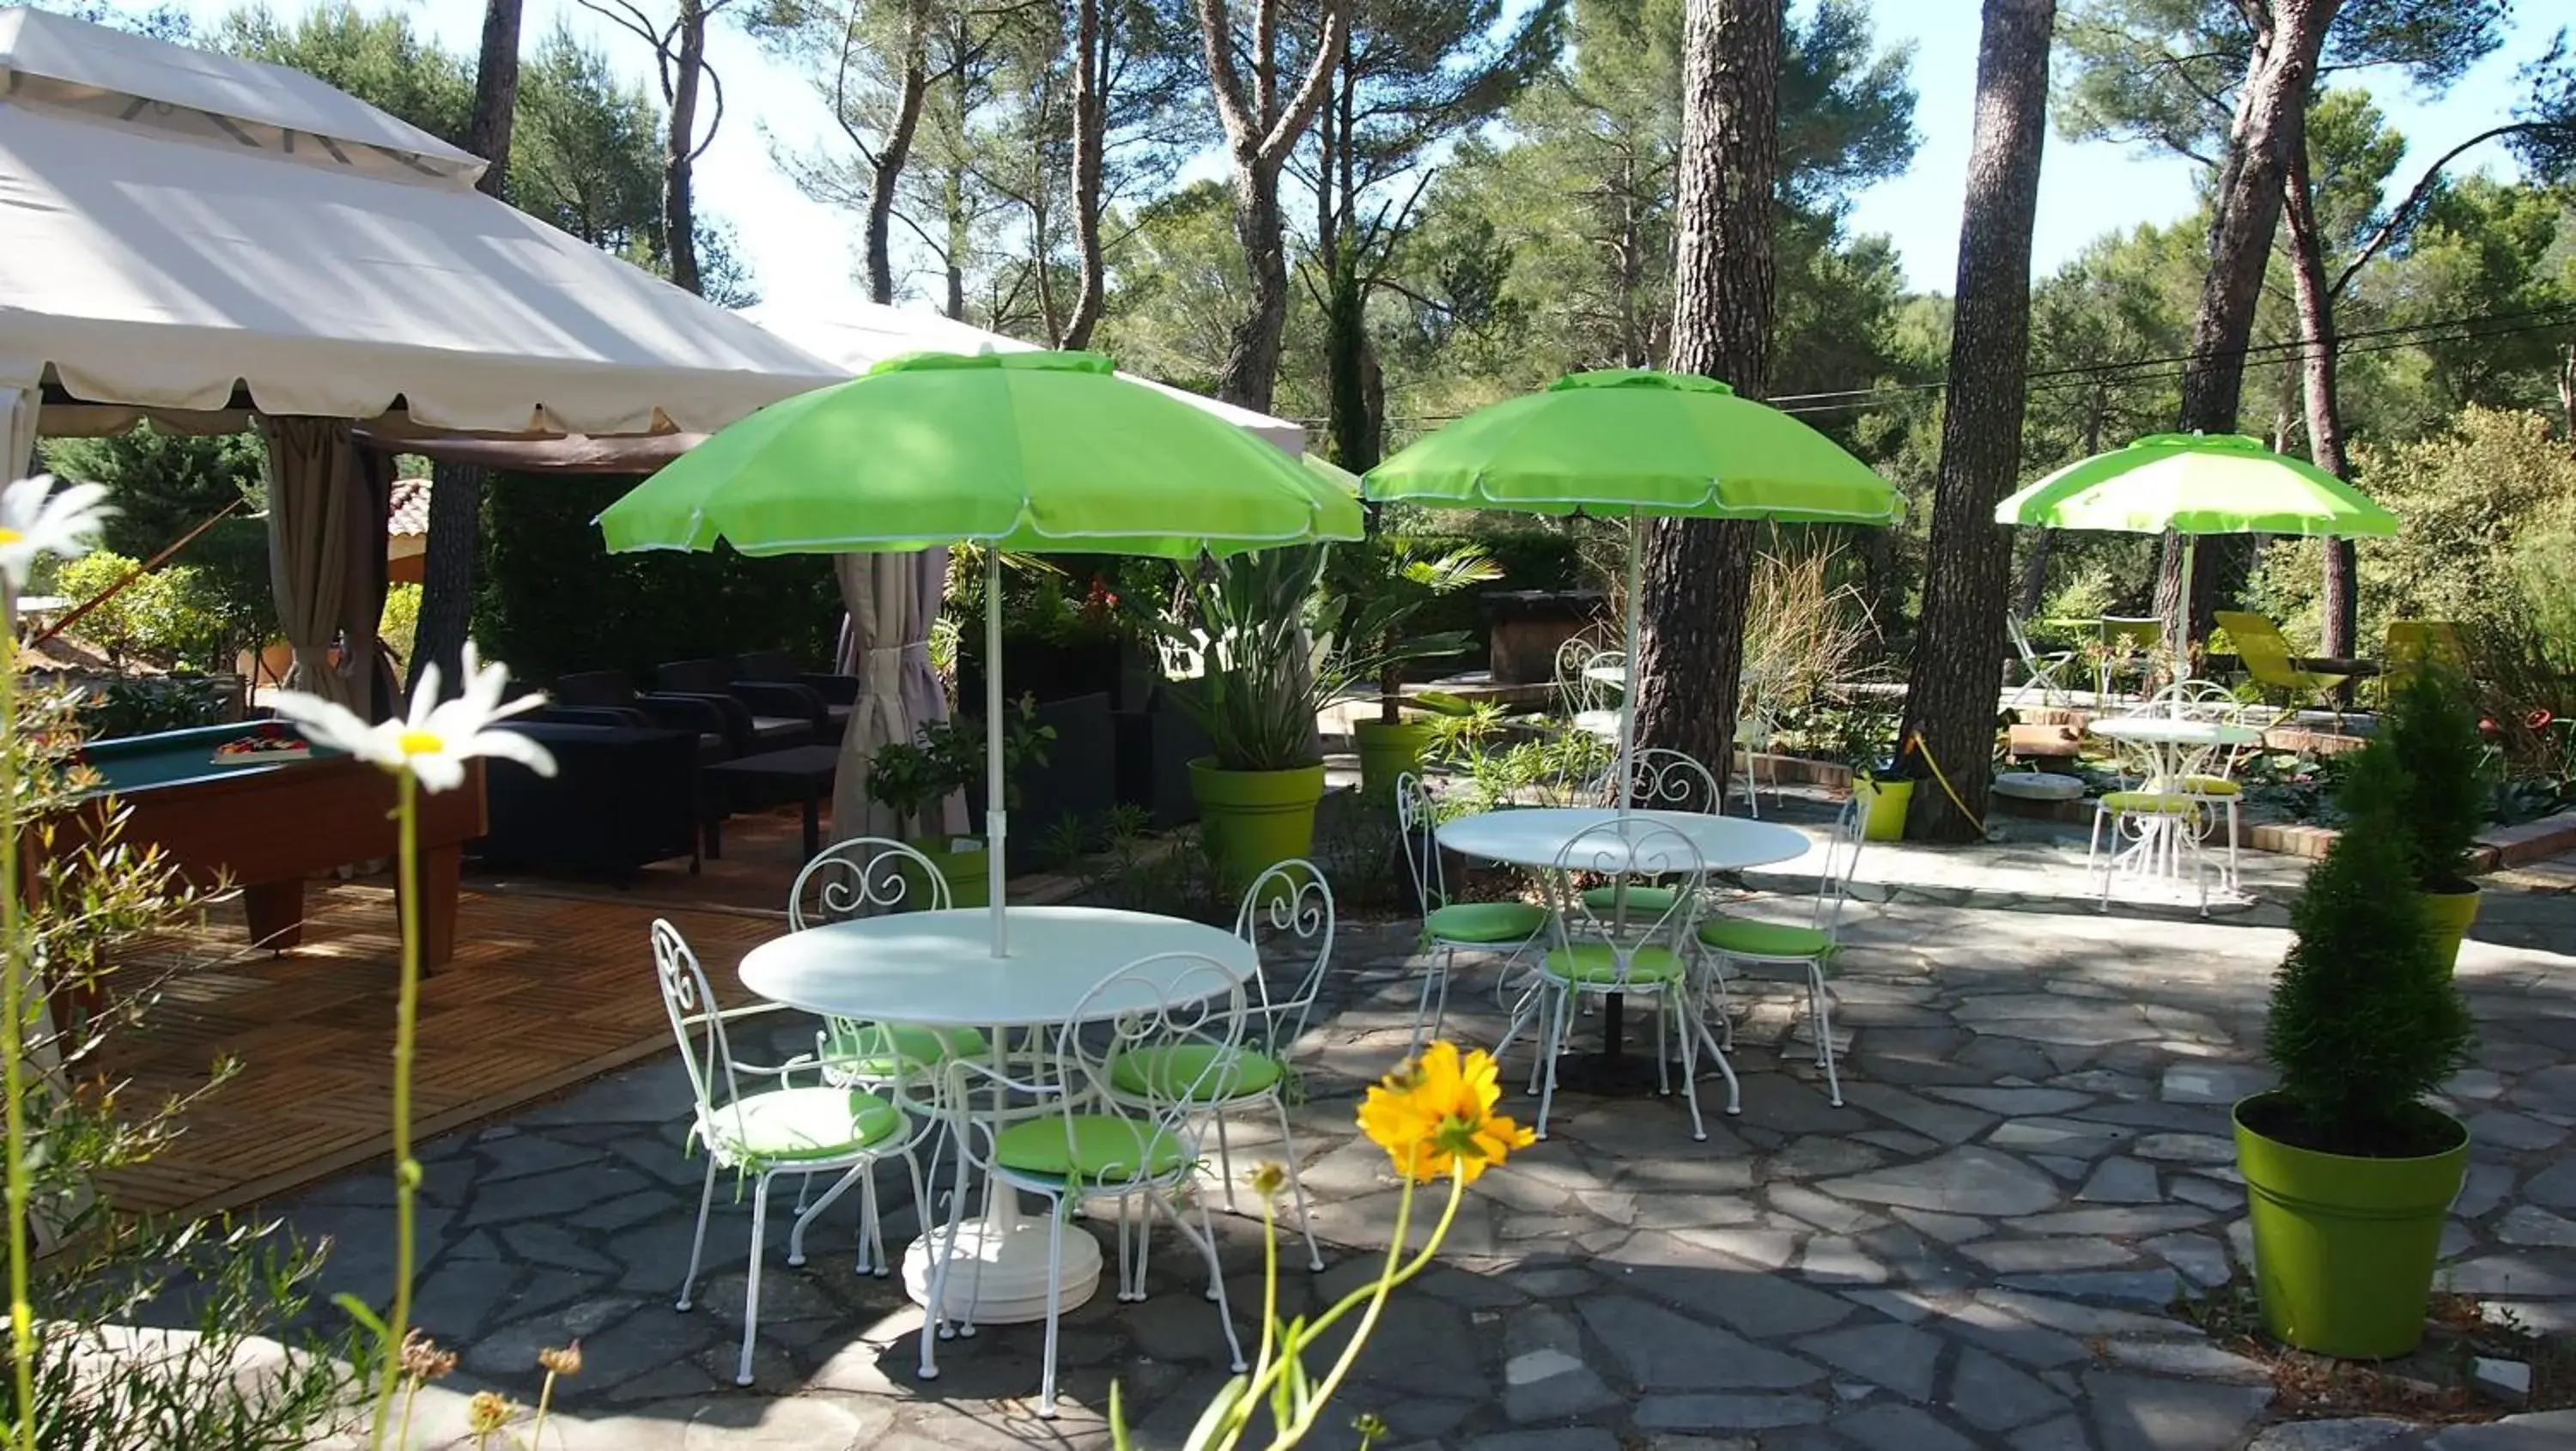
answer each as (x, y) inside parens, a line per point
(2344, 1247)
(1882, 807)
(1256, 819)
(2449, 914)
(1388, 751)
(966, 872)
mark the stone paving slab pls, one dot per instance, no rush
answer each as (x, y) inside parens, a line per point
(1976, 1250)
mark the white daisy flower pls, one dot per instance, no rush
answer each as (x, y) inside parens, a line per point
(35, 520)
(436, 740)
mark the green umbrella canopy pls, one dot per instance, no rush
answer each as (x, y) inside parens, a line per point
(2195, 483)
(1633, 443)
(1030, 451)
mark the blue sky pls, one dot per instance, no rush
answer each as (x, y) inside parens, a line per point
(801, 250)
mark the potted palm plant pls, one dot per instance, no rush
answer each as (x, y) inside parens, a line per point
(2348, 1172)
(1260, 685)
(1382, 586)
(2431, 726)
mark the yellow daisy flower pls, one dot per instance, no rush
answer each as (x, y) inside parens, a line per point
(1436, 1115)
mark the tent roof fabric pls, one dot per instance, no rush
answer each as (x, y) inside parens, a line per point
(860, 335)
(138, 267)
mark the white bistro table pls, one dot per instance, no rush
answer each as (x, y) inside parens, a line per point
(2175, 747)
(937, 969)
(1537, 836)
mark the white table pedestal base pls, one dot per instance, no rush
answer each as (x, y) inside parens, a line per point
(1000, 1277)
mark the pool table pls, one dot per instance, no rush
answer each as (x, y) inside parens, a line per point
(266, 826)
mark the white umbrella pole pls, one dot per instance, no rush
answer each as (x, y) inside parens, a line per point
(996, 832)
(2182, 636)
(1628, 701)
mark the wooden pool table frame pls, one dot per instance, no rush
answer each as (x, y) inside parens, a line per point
(265, 829)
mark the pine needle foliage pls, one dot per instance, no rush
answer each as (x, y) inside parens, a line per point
(2431, 727)
(2365, 1020)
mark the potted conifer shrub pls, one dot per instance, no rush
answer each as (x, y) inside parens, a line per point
(2348, 1172)
(2432, 727)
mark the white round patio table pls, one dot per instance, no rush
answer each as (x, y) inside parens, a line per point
(2158, 730)
(1537, 836)
(937, 969)
(2176, 748)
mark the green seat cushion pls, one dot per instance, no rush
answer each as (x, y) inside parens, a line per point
(1484, 922)
(2149, 803)
(1201, 1072)
(784, 1125)
(1100, 1148)
(877, 1050)
(1598, 962)
(1653, 901)
(2208, 786)
(1762, 939)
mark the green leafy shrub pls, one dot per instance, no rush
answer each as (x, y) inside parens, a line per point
(2430, 731)
(400, 623)
(136, 705)
(2365, 1020)
(168, 617)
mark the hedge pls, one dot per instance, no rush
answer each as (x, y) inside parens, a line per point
(551, 600)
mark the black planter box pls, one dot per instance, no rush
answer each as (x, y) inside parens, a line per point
(1155, 748)
(1078, 780)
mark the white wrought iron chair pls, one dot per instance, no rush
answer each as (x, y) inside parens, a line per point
(863, 877)
(2212, 779)
(1101, 1140)
(1659, 779)
(1295, 904)
(2154, 822)
(766, 1132)
(1593, 698)
(2040, 666)
(1626, 950)
(1449, 928)
(1726, 940)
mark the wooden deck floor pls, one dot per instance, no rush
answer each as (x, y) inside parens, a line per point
(544, 992)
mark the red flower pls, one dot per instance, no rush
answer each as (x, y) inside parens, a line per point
(2538, 721)
(2487, 727)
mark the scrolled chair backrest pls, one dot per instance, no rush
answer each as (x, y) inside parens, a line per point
(1417, 823)
(1662, 779)
(1842, 860)
(1627, 849)
(706, 1054)
(2203, 700)
(1287, 913)
(1145, 1008)
(1576, 688)
(863, 877)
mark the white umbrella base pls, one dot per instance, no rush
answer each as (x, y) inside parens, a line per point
(1000, 1274)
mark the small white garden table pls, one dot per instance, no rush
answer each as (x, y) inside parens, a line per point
(1537, 836)
(937, 969)
(2175, 748)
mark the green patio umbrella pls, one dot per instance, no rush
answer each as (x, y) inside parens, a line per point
(1020, 451)
(2195, 484)
(1631, 443)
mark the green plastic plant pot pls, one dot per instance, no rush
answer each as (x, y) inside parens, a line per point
(2450, 915)
(1256, 819)
(2344, 1247)
(1388, 751)
(1882, 807)
(965, 871)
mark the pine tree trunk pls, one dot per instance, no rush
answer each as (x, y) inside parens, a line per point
(1252, 357)
(2324, 412)
(1950, 696)
(1691, 650)
(455, 541)
(1090, 136)
(888, 171)
(496, 96)
(2288, 36)
(679, 147)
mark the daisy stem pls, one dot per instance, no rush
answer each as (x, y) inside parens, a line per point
(406, 1024)
(1377, 1296)
(13, 1043)
(545, 1398)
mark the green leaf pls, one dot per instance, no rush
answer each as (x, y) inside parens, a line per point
(1220, 1410)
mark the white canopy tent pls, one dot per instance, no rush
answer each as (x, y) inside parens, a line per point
(199, 239)
(860, 335)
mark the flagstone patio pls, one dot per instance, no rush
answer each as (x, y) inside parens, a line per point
(1979, 1250)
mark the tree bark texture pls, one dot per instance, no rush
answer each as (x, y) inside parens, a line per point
(1950, 695)
(447, 574)
(2317, 379)
(496, 97)
(891, 158)
(1090, 139)
(2287, 37)
(1261, 127)
(1690, 652)
(680, 147)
